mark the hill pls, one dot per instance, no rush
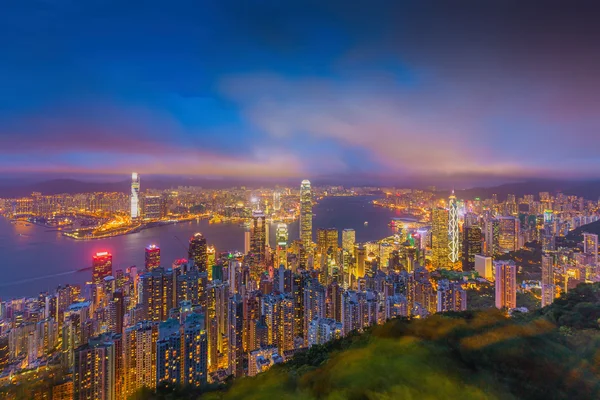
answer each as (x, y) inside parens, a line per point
(576, 235)
(552, 353)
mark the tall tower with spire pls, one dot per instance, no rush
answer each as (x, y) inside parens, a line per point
(306, 214)
(453, 231)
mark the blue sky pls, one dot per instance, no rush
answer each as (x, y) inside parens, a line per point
(287, 89)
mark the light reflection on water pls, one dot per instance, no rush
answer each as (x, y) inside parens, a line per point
(34, 259)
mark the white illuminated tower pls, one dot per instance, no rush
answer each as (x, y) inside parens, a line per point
(135, 196)
(276, 200)
(306, 214)
(453, 232)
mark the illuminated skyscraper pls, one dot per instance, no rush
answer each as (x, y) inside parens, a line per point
(182, 352)
(235, 331)
(506, 284)
(590, 246)
(258, 236)
(453, 232)
(508, 234)
(139, 350)
(327, 239)
(276, 200)
(306, 214)
(153, 207)
(282, 244)
(472, 246)
(152, 257)
(198, 252)
(95, 370)
(451, 296)
(548, 288)
(439, 238)
(348, 240)
(135, 196)
(101, 266)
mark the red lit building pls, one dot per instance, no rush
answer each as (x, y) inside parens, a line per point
(152, 257)
(101, 266)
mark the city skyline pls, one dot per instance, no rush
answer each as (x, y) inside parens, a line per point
(469, 93)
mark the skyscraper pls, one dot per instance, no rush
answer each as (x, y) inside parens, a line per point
(198, 252)
(453, 232)
(258, 236)
(153, 207)
(282, 244)
(548, 289)
(276, 200)
(508, 234)
(181, 356)
(506, 284)
(101, 266)
(139, 349)
(327, 239)
(306, 214)
(439, 238)
(451, 296)
(152, 257)
(235, 333)
(472, 246)
(135, 196)
(348, 240)
(94, 370)
(590, 246)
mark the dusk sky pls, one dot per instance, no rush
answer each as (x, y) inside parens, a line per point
(458, 90)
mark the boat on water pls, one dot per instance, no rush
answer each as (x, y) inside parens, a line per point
(366, 223)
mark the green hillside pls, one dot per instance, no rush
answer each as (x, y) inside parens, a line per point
(553, 353)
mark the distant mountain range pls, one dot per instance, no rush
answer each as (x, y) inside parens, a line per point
(14, 188)
(587, 189)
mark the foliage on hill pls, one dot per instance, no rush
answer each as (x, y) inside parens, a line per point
(576, 235)
(553, 353)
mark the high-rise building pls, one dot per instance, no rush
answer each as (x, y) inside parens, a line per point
(451, 296)
(506, 284)
(246, 242)
(439, 238)
(472, 246)
(590, 246)
(235, 333)
(95, 370)
(153, 207)
(135, 196)
(508, 234)
(348, 240)
(548, 288)
(453, 231)
(282, 244)
(101, 266)
(152, 257)
(306, 214)
(483, 266)
(139, 361)
(492, 237)
(276, 200)
(258, 236)
(156, 294)
(181, 356)
(198, 252)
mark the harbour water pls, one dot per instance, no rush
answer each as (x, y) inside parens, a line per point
(35, 259)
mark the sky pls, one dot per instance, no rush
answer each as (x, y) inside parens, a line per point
(451, 91)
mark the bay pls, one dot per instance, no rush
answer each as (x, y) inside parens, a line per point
(34, 259)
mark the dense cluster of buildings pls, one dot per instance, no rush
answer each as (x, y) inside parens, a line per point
(215, 314)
